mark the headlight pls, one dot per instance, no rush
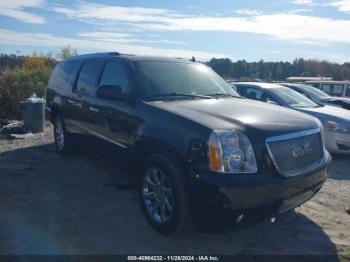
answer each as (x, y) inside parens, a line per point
(336, 127)
(231, 152)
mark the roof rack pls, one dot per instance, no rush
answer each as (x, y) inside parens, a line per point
(95, 55)
(114, 53)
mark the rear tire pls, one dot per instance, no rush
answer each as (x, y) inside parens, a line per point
(162, 194)
(63, 141)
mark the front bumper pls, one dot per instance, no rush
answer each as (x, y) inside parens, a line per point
(255, 195)
(337, 143)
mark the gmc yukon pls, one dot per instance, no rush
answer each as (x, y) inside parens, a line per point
(195, 146)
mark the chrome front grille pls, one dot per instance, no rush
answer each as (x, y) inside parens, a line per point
(296, 153)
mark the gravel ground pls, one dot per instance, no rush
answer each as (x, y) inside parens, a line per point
(52, 204)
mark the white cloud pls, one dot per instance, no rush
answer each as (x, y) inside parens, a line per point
(88, 10)
(298, 11)
(250, 12)
(342, 6)
(48, 40)
(124, 38)
(287, 26)
(282, 26)
(303, 2)
(15, 9)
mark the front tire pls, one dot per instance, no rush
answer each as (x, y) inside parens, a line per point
(62, 139)
(162, 194)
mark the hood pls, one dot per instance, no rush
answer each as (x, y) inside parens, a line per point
(329, 113)
(257, 119)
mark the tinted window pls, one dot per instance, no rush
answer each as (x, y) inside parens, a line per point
(114, 73)
(348, 91)
(326, 88)
(333, 90)
(337, 90)
(63, 75)
(254, 93)
(87, 76)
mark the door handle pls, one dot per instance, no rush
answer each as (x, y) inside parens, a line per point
(73, 103)
(94, 109)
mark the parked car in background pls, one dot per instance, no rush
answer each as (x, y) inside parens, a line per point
(336, 121)
(333, 88)
(319, 96)
(196, 147)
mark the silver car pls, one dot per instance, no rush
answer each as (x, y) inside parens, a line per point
(336, 121)
(318, 96)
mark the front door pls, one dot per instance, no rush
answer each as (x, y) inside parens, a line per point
(113, 124)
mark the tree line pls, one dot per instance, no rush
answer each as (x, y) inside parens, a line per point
(278, 71)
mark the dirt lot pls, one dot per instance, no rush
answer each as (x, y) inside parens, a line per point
(52, 204)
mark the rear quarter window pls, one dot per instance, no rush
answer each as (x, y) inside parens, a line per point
(87, 77)
(63, 75)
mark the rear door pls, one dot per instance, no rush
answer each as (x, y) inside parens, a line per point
(78, 113)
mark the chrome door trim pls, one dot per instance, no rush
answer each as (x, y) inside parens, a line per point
(94, 109)
(106, 138)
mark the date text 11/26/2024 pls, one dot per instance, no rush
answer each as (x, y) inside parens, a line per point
(173, 258)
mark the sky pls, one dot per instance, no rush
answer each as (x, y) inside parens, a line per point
(279, 30)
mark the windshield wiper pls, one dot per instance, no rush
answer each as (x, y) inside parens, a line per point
(223, 95)
(177, 95)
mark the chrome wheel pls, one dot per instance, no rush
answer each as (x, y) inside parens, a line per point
(59, 134)
(157, 195)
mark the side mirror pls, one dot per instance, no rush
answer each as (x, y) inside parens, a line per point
(111, 92)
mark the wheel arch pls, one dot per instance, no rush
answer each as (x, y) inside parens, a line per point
(149, 146)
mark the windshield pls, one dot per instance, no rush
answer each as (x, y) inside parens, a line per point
(172, 80)
(314, 90)
(293, 98)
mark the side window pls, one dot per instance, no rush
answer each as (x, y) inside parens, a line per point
(87, 76)
(254, 93)
(63, 75)
(114, 73)
(347, 91)
(240, 90)
(326, 88)
(260, 95)
(337, 90)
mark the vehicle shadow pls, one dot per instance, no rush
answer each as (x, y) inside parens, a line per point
(340, 167)
(74, 205)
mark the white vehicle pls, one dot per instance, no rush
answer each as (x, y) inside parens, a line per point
(336, 121)
(333, 88)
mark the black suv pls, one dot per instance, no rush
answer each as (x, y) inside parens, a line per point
(195, 145)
